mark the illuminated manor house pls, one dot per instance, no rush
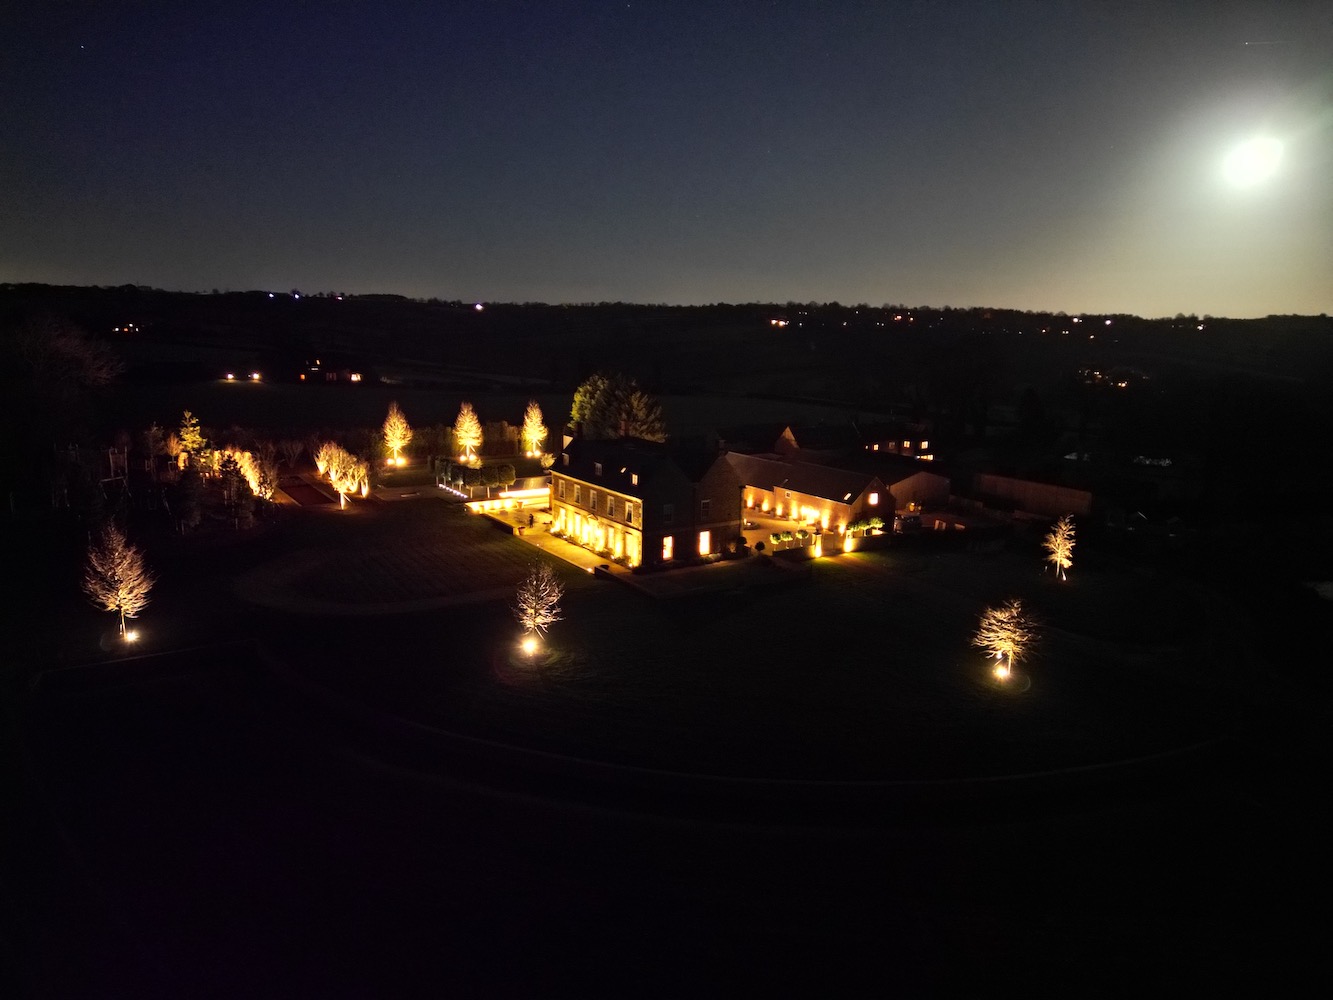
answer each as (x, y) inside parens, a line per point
(643, 502)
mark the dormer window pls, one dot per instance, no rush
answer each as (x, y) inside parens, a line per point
(565, 458)
(634, 479)
(596, 468)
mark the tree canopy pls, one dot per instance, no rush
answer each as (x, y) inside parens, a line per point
(612, 405)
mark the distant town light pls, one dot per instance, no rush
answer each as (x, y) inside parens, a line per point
(231, 376)
(479, 307)
(254, 376)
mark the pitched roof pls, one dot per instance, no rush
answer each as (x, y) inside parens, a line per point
(824, 481)
(623, 459)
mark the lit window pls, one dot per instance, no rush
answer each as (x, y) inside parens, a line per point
(560, 488)
(705, 542)
(907, 444)
(925, 445)
(705, 509)
(668, 543)
(610, 506)
(578, 493)
(634, 479)
(875, 448)
(874, 499)
(668, 513)
(592, 501)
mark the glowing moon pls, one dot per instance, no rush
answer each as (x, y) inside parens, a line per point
(1252, 162)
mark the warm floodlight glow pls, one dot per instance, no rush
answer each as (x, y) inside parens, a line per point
(1006, 633)
(537, 604)
(1253, 161)
(529, 645)
(132, 635)
(1059, 546)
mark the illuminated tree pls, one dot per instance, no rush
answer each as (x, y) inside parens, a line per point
(325, 455)
(547, 460)
(115, 578)
(172, 446)
(537, 606)
(397, 433)
(1059, 545)
(1006, 633)
(467, 431)
(534, 431)
(191, 437)
(347, 473)
(613, 406)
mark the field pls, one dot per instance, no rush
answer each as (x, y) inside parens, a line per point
(863, 671)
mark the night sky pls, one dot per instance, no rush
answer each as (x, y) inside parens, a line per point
(1026, 155)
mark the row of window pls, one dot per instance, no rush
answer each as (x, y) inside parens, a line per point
(625, 509)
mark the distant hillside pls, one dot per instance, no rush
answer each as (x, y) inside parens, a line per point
(859, 355)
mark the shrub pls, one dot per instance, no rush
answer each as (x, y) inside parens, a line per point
(802, 534)
(775, 537)
(786, 536)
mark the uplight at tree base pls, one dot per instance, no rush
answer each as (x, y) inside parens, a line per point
(1002, 671)
(132, 635)
(1252, 162)
(529, 645)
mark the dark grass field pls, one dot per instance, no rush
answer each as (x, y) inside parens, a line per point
(210, 821)
(863, 671)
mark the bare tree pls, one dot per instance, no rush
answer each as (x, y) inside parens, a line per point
(537, 606)
(347, 473)
(1059, 545)
(397, 433)
(534, 430)
(1006, 632)
(467, 431)
(115, 578)
(291, 451)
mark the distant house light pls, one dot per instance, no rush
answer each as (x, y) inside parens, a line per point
(846, 496)
(356, 376)
(479, 307)
(874, 499)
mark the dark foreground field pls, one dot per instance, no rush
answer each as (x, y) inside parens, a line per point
(263, 804)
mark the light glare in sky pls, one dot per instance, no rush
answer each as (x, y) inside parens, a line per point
(1252, 162)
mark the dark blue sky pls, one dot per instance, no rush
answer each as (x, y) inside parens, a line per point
(1029, 155)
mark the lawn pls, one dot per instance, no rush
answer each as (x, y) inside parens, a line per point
(864, 671)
